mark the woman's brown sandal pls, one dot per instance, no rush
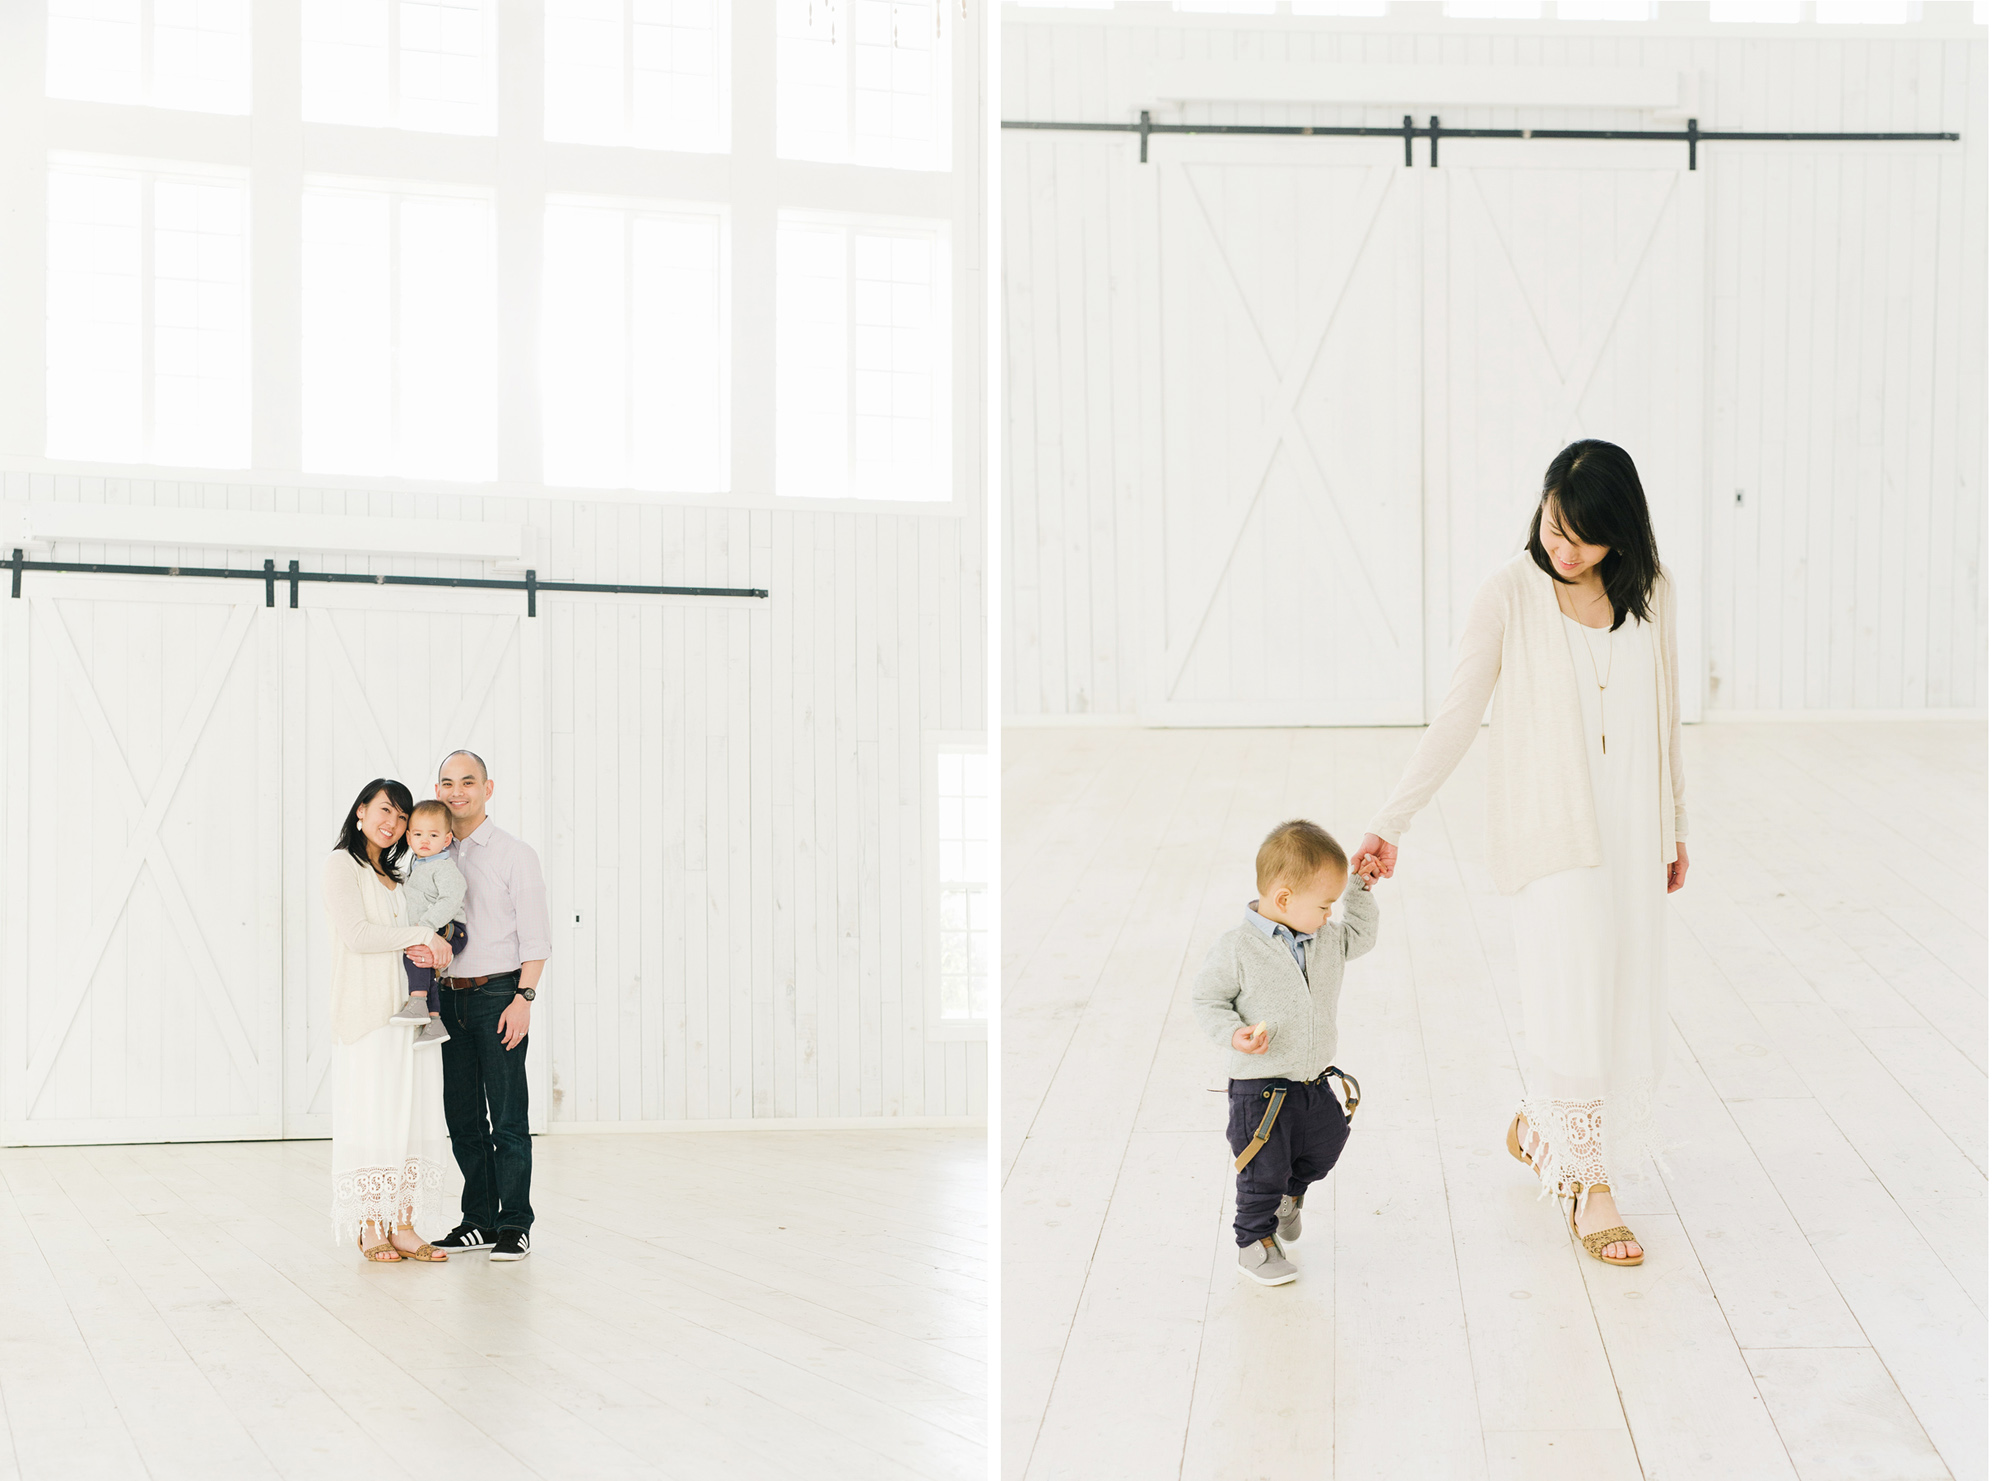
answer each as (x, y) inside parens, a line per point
(423, 1254)
(1514, 1142)
(375, 1252)
(1594, 1244)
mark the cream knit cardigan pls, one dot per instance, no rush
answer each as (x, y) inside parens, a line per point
(368, 942)
(1539, 815)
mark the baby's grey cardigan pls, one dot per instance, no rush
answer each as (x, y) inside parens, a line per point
(1250, 978)
(437, 891)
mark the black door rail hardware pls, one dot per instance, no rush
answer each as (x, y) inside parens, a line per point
(292, 576)
(1409, 133)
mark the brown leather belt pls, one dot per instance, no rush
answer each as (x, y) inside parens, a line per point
(460, 984)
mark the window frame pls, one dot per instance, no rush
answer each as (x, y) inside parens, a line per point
(937, 1028)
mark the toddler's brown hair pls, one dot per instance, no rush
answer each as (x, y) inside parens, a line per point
(431, 805)
(1293, 853)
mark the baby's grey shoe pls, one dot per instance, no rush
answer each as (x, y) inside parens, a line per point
(1266, 1264)
(1291, 1219)
(416, 1009)
(434, 1033)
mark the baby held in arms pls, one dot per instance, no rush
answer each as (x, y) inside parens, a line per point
(437, 900)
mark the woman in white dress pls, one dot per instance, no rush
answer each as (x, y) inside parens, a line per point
(391, 1152)
(1573, 642)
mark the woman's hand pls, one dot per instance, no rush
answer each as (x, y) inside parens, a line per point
(1677, 872)
(1384, 854)
(419, 955)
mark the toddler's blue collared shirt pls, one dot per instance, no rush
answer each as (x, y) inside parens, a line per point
(1277, 930)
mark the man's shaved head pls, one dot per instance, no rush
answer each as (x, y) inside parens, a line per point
(472, 756)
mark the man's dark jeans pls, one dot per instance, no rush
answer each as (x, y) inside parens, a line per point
(497, 1159)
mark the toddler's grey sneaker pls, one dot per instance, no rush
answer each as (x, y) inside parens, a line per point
(434, 1033)
(1266, 1264)
(1291, 1219)
(416, 1010)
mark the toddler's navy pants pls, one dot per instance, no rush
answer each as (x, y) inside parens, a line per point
(1305, 1143)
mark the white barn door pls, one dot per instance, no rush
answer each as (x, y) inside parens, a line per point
(387, 684)
(1288, 526)
(1572, 298)
(143, 931)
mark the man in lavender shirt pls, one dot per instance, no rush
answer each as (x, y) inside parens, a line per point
(491, 985)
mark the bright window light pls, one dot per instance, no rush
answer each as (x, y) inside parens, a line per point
(1493, 10)
(635, 364)
(191, 54)
(1863, 12)
(1605, 10)
(964, 944)
(1340, 7)
(1779, 12)
(410, 64)
(148, 349)
(397, 357)
(865, 82)
(864, 354)
(652, 73)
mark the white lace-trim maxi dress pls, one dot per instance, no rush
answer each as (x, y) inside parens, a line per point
(1589, 943)
(391, 1151)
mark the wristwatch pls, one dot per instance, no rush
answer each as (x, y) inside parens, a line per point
(526, 992)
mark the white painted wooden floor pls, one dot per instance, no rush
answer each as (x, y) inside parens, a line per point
(698, 1305)
(1813, 1299)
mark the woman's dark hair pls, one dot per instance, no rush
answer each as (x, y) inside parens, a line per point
(1599, 500)
(356, 843)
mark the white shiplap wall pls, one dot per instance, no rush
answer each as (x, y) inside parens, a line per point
(735, 794)
(1844, 334)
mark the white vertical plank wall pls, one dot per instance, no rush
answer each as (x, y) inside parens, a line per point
(1843, 334)
(734, 791)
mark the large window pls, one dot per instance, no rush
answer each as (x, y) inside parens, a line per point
(652, 73)
(162, 53)
(634, 348)
(398, 364)
(148, 356)
(864, 340)
(964, 925)
(865, 82)
(542, 245)
(412, 64)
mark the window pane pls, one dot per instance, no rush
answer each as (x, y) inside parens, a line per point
(646, 72)
(347, 351)
(865, 82)
(812, 361)
(413, 64)
(864, 341)
(447, 371)
(962, 919)
(201, 398)
(96, 407)
(398, 356)
(199, 53)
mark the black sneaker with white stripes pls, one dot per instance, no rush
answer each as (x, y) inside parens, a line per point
(513, 1245)
(465, 1237)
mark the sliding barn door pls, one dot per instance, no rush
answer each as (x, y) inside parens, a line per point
(1572, 296)
(387, 684)
(1288, 556)
(142, 954)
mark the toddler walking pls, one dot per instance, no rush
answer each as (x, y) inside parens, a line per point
(1268, 992)
(437, 900)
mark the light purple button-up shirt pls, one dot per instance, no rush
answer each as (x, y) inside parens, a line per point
(506, 904)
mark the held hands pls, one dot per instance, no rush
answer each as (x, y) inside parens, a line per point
(1677, 872)
(1374, 859)
(1254, 1039)
(435, 952)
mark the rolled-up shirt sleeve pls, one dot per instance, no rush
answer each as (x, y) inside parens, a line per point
(531, 906)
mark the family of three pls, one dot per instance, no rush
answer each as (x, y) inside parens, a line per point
(434, 972)
(1572, 643)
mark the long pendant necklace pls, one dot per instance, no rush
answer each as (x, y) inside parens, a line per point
(1591, 653)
